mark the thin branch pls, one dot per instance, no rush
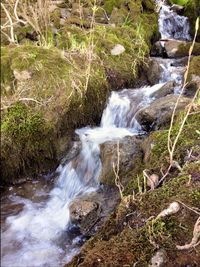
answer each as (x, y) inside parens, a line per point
(11, 38)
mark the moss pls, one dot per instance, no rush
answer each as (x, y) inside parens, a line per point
(148, 5)
(192, 12)
(110, 4)
(128, 236)
(183, 49)
(25, 139)
(58, 75)
(6, 73)
(55, 18)
(194, 67)
(132, 234)
(189, 137)
(59, 86)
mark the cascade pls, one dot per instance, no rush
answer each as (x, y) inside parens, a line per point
(36, 234)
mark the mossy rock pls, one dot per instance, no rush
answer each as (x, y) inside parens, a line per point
(192, 9)
(57, 87)
(194, 67)
(26, 139)
(159, 155)
(134, 235)
(177, 49)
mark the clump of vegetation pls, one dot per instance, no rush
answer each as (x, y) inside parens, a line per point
(25, 138)
(133, 233)
(63, 68)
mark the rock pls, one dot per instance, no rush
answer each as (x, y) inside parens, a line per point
(64, 12)
(176, 48)
(84, 213)
(159, 259)
(152, 181)
(153, 71)
(179, 62)
(166, 89)
(22, 75)
(77, 9)
(130, 153)
(177, 8)
(158, 114)
(192, 86)
(72, 153)
(117, 50)
(157, 49)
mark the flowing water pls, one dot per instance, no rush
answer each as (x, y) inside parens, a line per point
(172, 25)
(37, 231)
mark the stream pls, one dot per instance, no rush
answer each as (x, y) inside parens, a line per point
(35, 217)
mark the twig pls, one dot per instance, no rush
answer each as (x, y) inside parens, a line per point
(195, 239)
(195, 210)
(12, 37)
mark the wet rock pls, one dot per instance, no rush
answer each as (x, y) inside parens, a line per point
(166, 89)
(117, 50)
(192, 86)
(157, 49)
(176, 48)
(73, 152)
(159, 113)
(84, 213)
(180, 62)
(153, 71)
(177, 8)
(130, 153)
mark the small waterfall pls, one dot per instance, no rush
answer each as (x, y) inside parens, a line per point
(34, 234)
(172, 25)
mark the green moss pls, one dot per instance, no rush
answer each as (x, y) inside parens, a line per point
(189, 137)
(55, 18)
(179, 2)
(148, 5)
(24, 138)
(194, 67)
(6, 73)
(110, 4)
(58, 76)
(134, 236)
(191, 11)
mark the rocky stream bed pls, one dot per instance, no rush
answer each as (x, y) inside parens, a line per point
(74, 215)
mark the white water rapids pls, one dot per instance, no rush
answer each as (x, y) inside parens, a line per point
(33, 235)
(33, 238)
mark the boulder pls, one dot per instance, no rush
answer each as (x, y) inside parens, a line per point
(157, 49)
(84, 213)
(158, 114)
(153, 71)
(130, 154)
(166, 89)
(177, 48)
(192, 86)
(177, 8)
